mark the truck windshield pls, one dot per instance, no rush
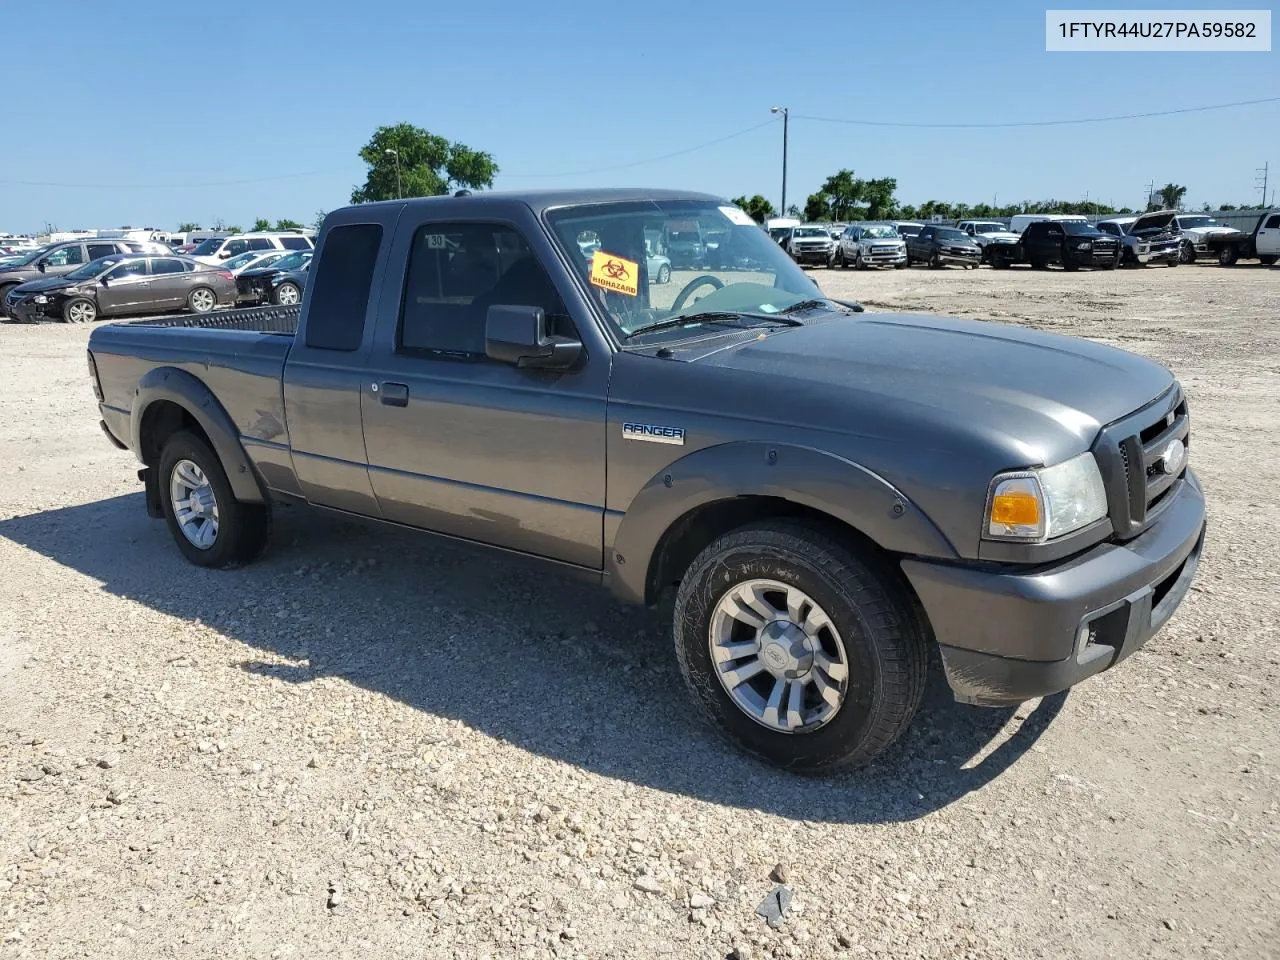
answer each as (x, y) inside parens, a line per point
(1078, 226)
(879, 231)
(1187, 222)
(737, 270)
(207, 248)
(989, 228)
(809, 232)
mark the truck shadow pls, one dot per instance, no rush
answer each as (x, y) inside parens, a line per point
(516, 651)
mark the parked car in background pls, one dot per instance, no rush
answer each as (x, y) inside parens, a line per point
(870, 245)
(810, 243)
(17, 244)
(1195, 230)
(277, 283)
(1262, 242)
(1019, 222)
(1143, 240)
(254, 258)
(55, 259)
(939, 246)
(122, 285)
(779, 228)
(1071, 243)
(217, 249)
(998, 243)
(907, 228)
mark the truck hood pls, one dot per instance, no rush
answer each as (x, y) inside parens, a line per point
(1150, 221)
(1026, 396)
(1000, 236)
(1209, 231)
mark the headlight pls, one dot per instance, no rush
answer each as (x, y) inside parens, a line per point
(40, 298)
(1046, 502)
(1084, 245)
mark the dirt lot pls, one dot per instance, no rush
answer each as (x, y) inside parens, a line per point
(369, 745)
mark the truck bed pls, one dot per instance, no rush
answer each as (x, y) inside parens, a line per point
(281, 320)
(238, 354)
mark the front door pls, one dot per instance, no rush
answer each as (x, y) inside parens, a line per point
(123, 288)
(472, 447)
(63, 260)
(1268, 238)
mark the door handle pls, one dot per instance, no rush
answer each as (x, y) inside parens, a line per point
(393, 394)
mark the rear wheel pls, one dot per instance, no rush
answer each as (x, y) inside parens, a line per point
(1227, 256)
(804, 651)
(201, 300)
(211, 527)
(79, 310)
(664, 274)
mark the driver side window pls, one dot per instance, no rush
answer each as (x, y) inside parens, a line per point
(127, 271)
(65, 257)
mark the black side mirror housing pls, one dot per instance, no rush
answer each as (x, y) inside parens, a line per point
(518, 335)
(40, 266)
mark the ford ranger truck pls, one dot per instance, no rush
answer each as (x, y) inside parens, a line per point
(824, 494)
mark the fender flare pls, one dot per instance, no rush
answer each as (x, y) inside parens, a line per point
(192, 395)
(840, 488)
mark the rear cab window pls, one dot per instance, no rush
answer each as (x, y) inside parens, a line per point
(340, 299)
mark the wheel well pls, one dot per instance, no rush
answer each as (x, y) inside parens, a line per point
(160, 421)
(689, 535)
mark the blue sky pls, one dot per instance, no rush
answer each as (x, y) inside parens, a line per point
(219, 92)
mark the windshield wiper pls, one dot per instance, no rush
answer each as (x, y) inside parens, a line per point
(725, 317)
(822, 304)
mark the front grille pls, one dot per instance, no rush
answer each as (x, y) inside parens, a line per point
(1131, 454)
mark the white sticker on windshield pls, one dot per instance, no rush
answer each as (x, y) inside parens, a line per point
(737, 216)
(436, 241)
(768, 308)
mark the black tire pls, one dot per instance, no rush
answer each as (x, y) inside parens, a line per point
(900, 266)
(4, 292)
(201, 300)
(1187, 252)
(243, 528)
(884, 637)
(1039, 264)
(664, 274)
(1172, 263)
(1269, 260)
(841, 262)
(935, 262)
(79, 310)
(999, 263)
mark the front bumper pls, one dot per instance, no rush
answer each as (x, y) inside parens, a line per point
(28, 311)
(1008, 636)
(890, 258)
(816, 255)
(968, 259)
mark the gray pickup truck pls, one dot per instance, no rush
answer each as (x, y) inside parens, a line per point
(824, 493)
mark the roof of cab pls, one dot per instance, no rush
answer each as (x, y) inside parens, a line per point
(540, 200)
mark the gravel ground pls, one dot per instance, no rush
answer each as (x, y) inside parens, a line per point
(370, 745)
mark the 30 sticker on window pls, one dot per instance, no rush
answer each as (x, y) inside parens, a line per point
(615, 273)
(436, 241)
(737, 216)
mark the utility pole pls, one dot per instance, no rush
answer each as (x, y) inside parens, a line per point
(1262, 172)
(1151, 192)
(786, 118)
(395, 154)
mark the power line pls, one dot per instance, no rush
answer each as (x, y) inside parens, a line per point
(1038, 123)
(637, 163)
(174, 186)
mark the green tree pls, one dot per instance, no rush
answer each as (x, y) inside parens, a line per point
(287, 224)
(405, 160)
(879, 194)
(1170, 196)
(234, 229)
(757, 208)
(261, 224)
(187, 226)
(318, 222)
(843, 191)
(1228, 206)
(817, 207)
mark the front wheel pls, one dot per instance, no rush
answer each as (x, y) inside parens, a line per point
(1187, 252)
(806, 652)
(79, 310)
(664, 274)
(201, 300)
(211, 527)
(1268, 260)
(4, 292)
(935, 262)
(287, 294)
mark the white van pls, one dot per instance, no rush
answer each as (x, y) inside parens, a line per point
(216, 249)
(1020, 221)
(779, 228)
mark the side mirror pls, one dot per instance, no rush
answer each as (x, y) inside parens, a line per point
(40, 266)
(224, 254)
(518, 335)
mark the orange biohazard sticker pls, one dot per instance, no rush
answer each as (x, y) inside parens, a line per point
(615, 273)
